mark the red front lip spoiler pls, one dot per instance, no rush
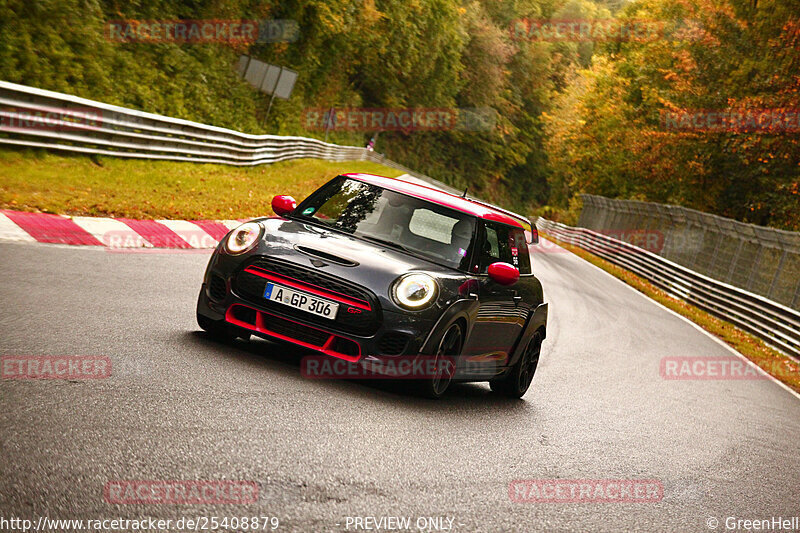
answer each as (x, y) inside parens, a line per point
(260, 326)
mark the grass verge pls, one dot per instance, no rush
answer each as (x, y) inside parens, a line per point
(35, 180)
(768, 359)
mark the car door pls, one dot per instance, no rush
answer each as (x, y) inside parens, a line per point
(500, 318)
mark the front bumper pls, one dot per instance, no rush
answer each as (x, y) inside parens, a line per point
(395, 336)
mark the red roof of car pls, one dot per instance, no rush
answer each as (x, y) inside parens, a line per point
(438, 196)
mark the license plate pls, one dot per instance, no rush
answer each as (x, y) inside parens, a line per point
(301, 300)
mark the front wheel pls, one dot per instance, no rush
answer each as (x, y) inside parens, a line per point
(444, 366)
(518, 380)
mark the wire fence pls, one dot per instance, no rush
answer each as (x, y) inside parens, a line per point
(761, 260)
(776, 324)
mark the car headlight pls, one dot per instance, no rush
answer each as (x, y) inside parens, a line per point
(415, 291)
(243, 238)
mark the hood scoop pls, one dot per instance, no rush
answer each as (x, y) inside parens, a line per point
(325, 256)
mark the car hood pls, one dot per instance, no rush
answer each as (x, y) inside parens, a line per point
(364, 262)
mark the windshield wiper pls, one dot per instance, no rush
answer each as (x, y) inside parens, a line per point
(387, 243)
(318, 223)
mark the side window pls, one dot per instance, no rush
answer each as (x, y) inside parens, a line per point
(494, 246)
(506, 244)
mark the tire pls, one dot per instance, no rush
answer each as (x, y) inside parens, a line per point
(449, 346)
(219, 329)
(518, 380)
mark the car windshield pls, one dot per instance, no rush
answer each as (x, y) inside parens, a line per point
(422, 228)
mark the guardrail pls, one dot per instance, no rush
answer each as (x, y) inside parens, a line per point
(64, 122)
(37, 118)
(776, 324)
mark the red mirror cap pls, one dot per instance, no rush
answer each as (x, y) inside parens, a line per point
(283, 205)
(503, 273)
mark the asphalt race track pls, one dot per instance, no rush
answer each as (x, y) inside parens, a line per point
(180, 406)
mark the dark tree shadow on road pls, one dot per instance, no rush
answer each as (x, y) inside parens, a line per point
(285, 359)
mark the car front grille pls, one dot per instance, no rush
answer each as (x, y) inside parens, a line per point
(359, 314)
(311, 276)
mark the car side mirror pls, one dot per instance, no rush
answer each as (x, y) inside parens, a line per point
(503, 273)
(283, 205)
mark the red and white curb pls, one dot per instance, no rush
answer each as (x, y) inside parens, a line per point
(113, 233)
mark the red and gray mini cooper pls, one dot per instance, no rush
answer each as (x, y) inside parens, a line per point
(376, 271)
